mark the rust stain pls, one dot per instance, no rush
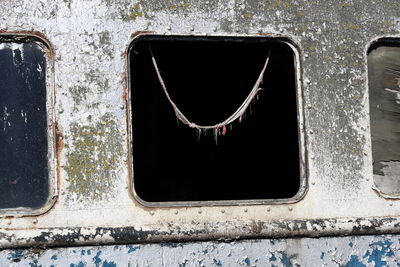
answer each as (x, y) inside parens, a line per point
(135, 34)
(15, 181)
(21, 228)
(125, 91)
(15, 35)
(380, 194)
(265, 33)
(125, 100)
(256, 227)
(59, 146)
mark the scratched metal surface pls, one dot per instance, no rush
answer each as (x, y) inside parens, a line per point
(352, 251)
(94, 202)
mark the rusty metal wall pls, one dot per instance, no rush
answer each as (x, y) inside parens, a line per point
(94, 202)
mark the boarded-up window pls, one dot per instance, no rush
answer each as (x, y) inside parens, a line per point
(24, 178)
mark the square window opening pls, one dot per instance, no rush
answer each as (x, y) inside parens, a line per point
(214, 119)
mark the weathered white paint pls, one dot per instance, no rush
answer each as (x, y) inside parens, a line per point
(90, 39)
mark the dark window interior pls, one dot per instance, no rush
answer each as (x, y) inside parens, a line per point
(208, 78)
(384, 97)
(23, 125)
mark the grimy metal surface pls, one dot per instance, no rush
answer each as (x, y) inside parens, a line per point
(95, 204)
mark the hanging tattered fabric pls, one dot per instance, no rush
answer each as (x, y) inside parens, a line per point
(219, 128)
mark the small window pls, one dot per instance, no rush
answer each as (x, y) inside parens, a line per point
(214, 119)
(384, 99)
(24, 153)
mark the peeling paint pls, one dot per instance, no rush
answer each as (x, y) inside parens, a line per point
(90, 41)
(367, 251)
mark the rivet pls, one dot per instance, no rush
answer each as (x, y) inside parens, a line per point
(191, 28)
(308, 81)
(312, 157)
(222, 211)
(313, 183)
(199, 211)
(8, 222)
(290, 208)
(61, 110)
(309, 106)
(169, 28)
(176, 212)
(246, 210)
(306, 55)
(311, 131)
(391, 204)
(35, 221)
(268, 209)
(281, 30)
(151, 212)
(215, 29)
(122, 107)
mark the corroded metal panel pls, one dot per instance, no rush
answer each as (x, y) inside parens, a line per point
(96, 204)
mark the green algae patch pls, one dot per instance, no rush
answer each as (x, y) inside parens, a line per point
(136, 12)
(92, 162)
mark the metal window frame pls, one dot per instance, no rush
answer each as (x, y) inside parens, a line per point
(373, 44)
(40, 40)
(303, 185)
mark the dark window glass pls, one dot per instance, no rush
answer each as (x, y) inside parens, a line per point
(384, 97)
(23, 129)
(208, 79)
